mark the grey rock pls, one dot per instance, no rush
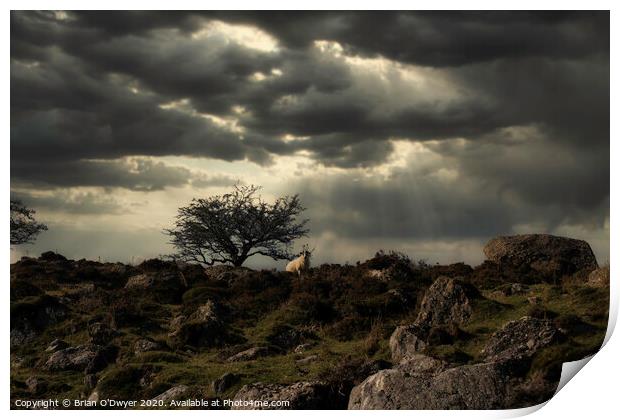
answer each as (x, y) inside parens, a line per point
(420, 364)
(174, 393)
(140, 281)
(94, 396)
(308, 360)
(446, 301)
(250, 354)
(520, 339)
(377, 274)
(300, 395)
(56, 345)
(143, 345)
(548, 254)
(423, 385)
(72, 358)
(420, 382)
(302, 347)
(406, 341)
(205, 313)
(447, 304)
(90, 358)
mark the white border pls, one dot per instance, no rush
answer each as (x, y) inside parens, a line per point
(592, 395)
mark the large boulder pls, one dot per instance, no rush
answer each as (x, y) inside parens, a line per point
(56, 344)
(90, 358)
(300, 396)
(423, 383)
(547, 254)
(447, 304)
(520, 339)
(72, 358)
(420, 382)
(175, 393)
(447, 301)
(406, 340)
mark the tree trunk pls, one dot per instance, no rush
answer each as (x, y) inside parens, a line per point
(238, 261)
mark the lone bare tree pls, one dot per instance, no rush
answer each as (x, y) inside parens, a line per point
(24, 228)
(232, 227)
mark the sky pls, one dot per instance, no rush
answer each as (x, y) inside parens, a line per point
(423, 132)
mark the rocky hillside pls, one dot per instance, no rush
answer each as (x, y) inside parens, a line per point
(387, 333)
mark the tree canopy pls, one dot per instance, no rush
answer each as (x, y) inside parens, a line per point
(24, 227)
(232, 227)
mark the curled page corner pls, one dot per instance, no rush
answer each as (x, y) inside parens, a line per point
(569, 370)
(522, 412)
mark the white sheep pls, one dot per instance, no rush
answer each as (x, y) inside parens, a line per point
(301, 263)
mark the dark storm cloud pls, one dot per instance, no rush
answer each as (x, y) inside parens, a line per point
(60, 111)
(493, 190)
(442, 38)
(538, 172)
(138, 174)
(71, 203)
(428, 38)
(89, 89)
(367, 153)
(402, 207)
(570, 97)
